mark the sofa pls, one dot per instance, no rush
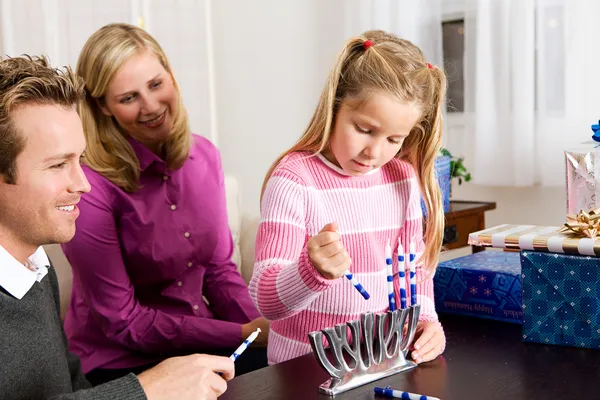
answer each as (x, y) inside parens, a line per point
(243, 229)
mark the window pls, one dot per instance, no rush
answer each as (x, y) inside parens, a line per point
(453, 46)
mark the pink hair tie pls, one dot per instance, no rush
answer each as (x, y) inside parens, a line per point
(429, 66)
(367, 44)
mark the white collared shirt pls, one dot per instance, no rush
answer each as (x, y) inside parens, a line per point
(16, 278)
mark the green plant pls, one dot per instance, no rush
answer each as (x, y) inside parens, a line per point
(457, 168)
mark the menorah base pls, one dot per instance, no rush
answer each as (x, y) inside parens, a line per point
(358, 378)
(377, 347)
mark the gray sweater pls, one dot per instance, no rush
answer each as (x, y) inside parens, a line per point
(34, 360)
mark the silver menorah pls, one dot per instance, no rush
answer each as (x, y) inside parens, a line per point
(378, 347)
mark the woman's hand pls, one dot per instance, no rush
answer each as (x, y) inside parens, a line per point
(263, 336)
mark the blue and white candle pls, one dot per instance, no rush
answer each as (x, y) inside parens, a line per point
(390, 276)
(413, 275)
(245, 344)
(398, 394)
(356, 284)
(402, 274)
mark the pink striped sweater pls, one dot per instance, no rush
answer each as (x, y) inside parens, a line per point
(304, 193)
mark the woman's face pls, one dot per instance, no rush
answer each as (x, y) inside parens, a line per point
(143, 100)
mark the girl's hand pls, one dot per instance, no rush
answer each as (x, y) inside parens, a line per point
(327, 253)
(429, 341)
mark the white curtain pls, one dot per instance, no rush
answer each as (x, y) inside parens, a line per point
(531, 82)
(417, 21)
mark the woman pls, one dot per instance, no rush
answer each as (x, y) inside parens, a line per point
(151, 258)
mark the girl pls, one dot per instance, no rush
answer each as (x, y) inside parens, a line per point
(351, 183)
(153, 239)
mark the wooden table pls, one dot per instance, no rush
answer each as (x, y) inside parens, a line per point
(463, 218)
(484, 360)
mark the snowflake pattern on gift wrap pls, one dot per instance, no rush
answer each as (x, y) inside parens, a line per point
(563, 295)
(484, 284)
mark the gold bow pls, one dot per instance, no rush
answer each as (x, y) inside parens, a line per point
(583, 224)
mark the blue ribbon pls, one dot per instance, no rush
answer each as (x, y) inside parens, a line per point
(596, 129)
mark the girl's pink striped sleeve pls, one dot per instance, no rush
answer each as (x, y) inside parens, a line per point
(284, 281)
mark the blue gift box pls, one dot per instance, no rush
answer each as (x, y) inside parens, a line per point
(485, 285)
(560, 299)
(442, 171)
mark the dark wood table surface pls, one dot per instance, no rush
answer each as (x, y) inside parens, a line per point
(483, 360)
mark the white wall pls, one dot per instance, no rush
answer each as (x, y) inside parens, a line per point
(535, 206)
(271, 61)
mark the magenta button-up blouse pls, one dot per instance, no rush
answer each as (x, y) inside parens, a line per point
(142, 263)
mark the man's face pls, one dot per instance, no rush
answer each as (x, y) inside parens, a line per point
(41, 207)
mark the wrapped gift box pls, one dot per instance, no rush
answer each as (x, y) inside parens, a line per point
(539, 238)
(583, 174)
(485, 284)
(583, 170)
(560, 299)
(442, 171)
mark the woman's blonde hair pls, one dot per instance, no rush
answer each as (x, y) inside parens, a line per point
(108, 151)
(397, 67)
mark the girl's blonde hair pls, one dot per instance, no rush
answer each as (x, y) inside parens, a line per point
(108, 151)
(397, 67)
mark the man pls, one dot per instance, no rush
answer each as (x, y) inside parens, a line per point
(41, 182)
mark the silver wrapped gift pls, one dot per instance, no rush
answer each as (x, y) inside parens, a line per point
(583, 177)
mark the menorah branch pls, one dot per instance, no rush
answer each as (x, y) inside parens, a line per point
(375, 347)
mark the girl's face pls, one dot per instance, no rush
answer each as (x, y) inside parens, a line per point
(142, 98)
(369, 136)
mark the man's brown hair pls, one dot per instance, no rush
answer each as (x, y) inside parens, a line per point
(30, 80)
